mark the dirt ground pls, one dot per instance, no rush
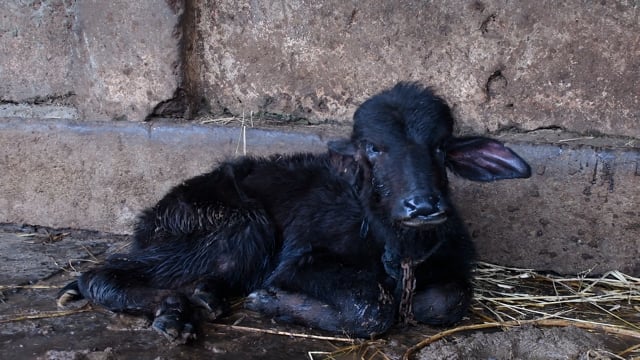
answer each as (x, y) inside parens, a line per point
(521, 343)
(36, 262)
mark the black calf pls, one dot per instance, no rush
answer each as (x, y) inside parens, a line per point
(348, 241)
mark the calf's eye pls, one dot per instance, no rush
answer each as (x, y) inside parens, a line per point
(372, 150)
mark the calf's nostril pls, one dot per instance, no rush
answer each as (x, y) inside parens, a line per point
(410, 204)
(422, 211)
(419, 206)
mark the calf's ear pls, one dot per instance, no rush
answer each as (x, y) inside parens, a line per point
(484, 159)
(342, 147)
(344, 157)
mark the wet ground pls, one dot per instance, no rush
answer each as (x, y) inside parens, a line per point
(36, 262)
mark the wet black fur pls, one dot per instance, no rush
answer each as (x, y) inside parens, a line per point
(311, 237)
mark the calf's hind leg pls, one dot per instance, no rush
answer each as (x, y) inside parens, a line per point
(123, 290)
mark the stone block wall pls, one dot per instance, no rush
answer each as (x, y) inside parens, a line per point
(573, 65)
(78, 78)
(88, 59)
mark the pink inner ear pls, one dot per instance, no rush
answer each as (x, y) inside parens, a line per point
(495, 154)
(484, 159)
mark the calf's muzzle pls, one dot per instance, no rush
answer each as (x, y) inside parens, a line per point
(422, 211)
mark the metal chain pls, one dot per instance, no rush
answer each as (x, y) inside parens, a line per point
(408, 289)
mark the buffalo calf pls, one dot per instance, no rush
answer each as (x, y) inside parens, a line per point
(352, 240)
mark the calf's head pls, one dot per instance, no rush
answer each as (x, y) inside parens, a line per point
(403, 138)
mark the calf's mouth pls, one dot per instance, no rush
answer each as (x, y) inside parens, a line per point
(424, 221)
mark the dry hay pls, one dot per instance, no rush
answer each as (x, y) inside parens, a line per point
(242, 139)
(508, 297)
(504, 293)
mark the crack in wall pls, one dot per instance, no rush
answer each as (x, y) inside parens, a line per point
(56, 106)
(484, 27)
(495, 85)
(53, 99)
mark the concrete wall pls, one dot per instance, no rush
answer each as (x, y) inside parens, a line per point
(88, 59)
(501, 64)
(573, 65)
(578, 211)
(99, 176)
(68, 67)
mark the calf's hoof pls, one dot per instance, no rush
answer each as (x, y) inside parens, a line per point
(261, 300)
(212, 306)
(68, 294)
(173, 320)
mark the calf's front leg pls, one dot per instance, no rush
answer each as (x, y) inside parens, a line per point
(339, 300)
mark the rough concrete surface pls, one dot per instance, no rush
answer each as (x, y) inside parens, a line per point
(529, 65)
(521, 343)
(577, 212)
(41, 111)
(100, 175)
(105, 60)
(129, 57)
(36, 43)
(31, 327)
(30, 254)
